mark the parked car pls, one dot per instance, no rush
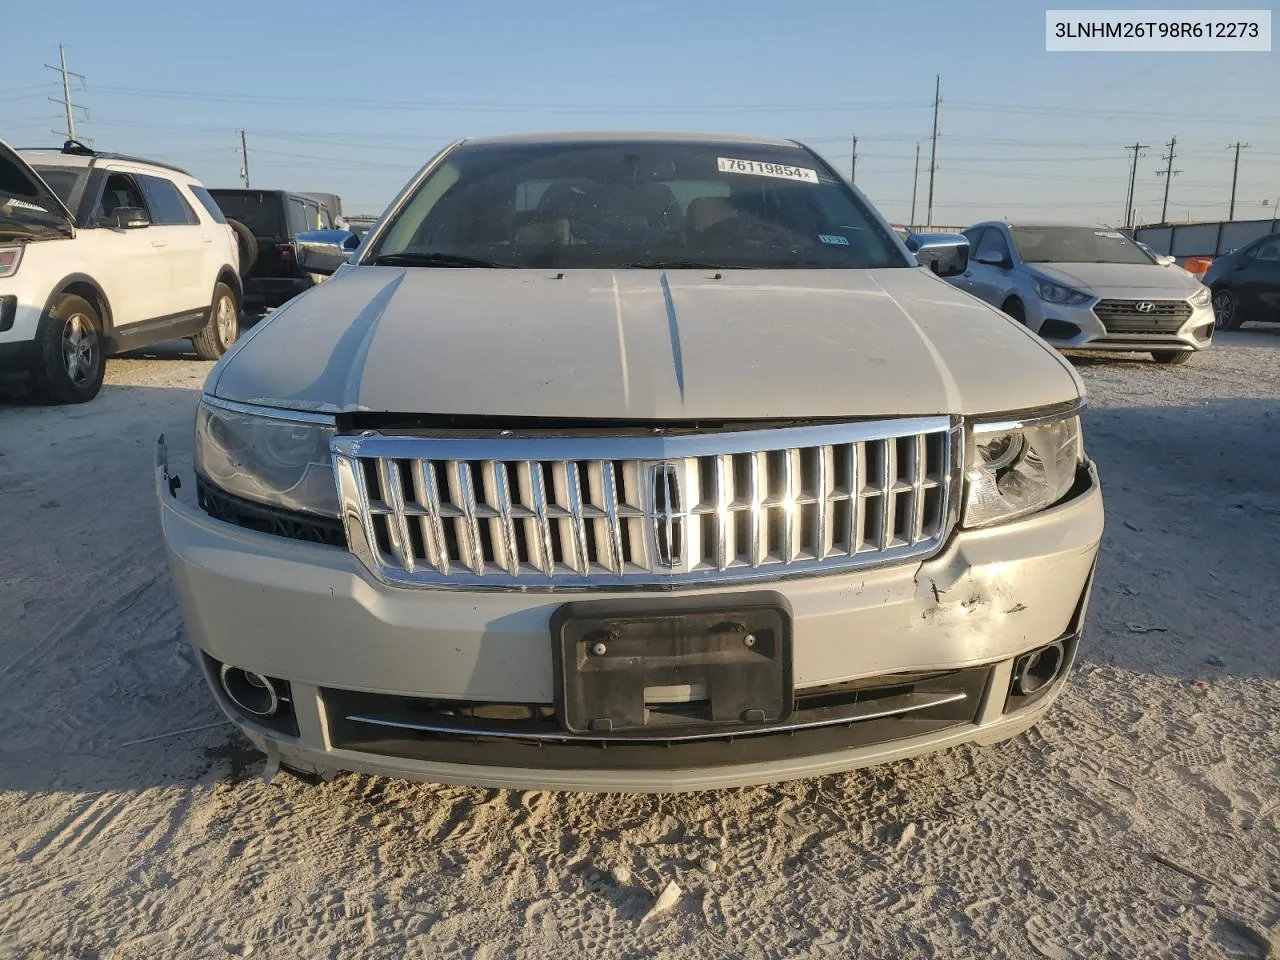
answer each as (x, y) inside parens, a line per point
(1246, 284)
(632, 462)
(101, 253)
(1087, 288)
(274, 218)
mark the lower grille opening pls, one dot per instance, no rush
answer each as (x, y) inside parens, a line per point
(1058, 330)
(834, 717)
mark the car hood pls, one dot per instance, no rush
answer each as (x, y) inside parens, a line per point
(642, 345)
(1125, 280)
(29, 209)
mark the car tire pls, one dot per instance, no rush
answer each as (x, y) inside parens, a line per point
(1226, 310)
(223, 326)
(72, 352)
(1172, 356)
(248, 244)
(1013, 307)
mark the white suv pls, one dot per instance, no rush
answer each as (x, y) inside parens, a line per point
(101, 253)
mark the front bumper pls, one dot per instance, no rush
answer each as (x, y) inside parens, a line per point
(314, 617)
(1053, 322)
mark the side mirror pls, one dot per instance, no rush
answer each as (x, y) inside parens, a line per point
(946, 254)
(324, 251)
(991, 259)
(129, 218)
(1165, 260)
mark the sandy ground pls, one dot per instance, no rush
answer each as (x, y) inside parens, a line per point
(1140, 819)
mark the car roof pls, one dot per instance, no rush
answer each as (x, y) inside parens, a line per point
(56, 156)
(283, 193)
(634, 136)
(1039, 225)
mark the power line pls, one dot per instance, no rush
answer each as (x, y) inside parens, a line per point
(508, 107)
(1168, 173)
(1235, 173)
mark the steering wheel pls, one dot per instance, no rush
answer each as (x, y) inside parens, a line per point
(743, 230)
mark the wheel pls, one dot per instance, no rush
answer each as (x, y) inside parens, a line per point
(1015, 309)
(1171, 356)
(1226, 312)
(248, 245)
(222, 327)
(70, 344)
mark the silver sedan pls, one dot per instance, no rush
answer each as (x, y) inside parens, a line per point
(1088, 288)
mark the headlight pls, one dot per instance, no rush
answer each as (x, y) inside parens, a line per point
(281, 460)
(1201, 297)
(1014, 470)
(1052, 292)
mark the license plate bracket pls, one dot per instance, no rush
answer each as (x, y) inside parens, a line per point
(646, 668)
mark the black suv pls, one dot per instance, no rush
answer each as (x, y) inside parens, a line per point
(269, 260)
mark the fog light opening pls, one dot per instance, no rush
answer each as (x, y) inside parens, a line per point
(1038, 669)
(251, 692)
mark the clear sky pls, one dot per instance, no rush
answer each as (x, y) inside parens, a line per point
(353, 97)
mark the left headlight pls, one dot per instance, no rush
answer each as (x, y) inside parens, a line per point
(1052, 292)
(1202, 297)
(278, 458)
(1017, 469)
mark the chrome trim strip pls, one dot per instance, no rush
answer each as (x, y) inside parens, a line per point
(275, 413)
(372, 444)
(918, 702)
(1031, 419)
(609, 487)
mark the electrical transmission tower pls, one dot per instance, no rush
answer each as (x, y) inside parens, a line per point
(66, 91)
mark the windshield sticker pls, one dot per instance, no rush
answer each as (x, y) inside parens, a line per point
(755, 168)
(23, 205)
(833, 240)
(1109, 234)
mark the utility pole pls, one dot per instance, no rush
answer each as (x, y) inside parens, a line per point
(1133, 176)
(853, 167)
(915, 183)
(933, 150)
(1235, 172)
(1168, 173)
(66, 90)
(244, 153)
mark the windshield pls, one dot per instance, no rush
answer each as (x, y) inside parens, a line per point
(1076, 245)
(63, 181)
(259, 210)
(611, 204)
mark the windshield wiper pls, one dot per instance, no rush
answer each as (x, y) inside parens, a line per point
(674, 265)
(432, 260)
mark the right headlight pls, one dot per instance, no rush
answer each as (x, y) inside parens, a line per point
(273, 457)
(1017, 469)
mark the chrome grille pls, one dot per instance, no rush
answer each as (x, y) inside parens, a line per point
(532, 512)
(1128, 316)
